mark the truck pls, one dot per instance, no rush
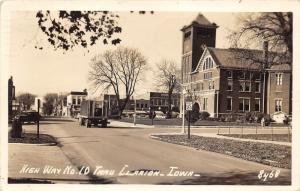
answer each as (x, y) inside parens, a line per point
(91, 113)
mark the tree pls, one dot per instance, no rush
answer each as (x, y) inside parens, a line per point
(50, 100)
(166, 76)
(26, 99)
(274, 27)
(67, 29)
(118, 69)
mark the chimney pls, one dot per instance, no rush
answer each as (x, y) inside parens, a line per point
(265, 53)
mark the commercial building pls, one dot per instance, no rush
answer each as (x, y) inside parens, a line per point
(159, 101)
(223, 81)
(73, 103)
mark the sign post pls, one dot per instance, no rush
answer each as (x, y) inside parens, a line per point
(38, 120)
(189, 108)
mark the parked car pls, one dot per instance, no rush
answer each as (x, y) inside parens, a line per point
(28, 116)
(160, 115)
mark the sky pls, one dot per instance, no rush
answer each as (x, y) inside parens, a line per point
(157, 36)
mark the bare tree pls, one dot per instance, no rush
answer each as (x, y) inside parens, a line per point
(119, 69)
(274, 27)
(50, 100)
(166, 77)
(26, 99)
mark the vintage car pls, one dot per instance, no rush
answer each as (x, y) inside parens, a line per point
(28, 116)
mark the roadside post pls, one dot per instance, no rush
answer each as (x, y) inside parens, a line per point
(134, 115)
(38, 119)
(189, 108)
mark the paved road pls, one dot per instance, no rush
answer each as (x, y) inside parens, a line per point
(131, 149)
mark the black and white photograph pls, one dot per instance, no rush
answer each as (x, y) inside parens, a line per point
(137, 96)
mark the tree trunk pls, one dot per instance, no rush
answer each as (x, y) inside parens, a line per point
(169, 104)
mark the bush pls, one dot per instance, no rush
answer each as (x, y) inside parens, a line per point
(175, 109)
(194, 116)
(204, 115)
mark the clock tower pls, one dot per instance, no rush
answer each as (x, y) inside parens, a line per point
(198, 33)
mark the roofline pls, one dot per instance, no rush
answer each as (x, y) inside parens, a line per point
(199, 25)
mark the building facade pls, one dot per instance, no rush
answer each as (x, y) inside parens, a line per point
(223, 81)
(73, 103)
(159, 101)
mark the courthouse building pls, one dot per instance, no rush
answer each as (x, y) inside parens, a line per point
(224, 81)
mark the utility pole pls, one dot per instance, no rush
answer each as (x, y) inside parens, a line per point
(183, 112)
(38, 120)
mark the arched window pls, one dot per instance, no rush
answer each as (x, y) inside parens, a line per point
(208, 63)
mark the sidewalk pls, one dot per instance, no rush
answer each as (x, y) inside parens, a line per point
(40, 157)
(126, 124)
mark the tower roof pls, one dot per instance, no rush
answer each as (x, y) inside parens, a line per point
(201, 20)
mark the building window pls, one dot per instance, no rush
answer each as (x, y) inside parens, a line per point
(74, 101)
(229, 103)
(137, 105)
(211, 85)
(163, 102)
(242, 86)
(229, 85)
(142, 105)
(278, 105)
(79, 101)
(247, 75)
(278, 78)
(256, 76)
(208, 75)
(245, 86)
(257, 104)
(257, 87)
(205, 103)
(208, 64)
(242, 75)
(229, 74)
(244, 104)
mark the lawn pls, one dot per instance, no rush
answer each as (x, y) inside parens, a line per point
(265, 153)
(276, 137)
(178, 122)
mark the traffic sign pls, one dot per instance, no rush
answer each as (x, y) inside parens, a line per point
(189, 105)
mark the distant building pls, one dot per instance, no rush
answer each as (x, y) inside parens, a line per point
(73, 103)
(35, 106)
(159, 101)
(110, 105)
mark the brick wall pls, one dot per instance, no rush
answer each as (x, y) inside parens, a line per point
(279, 91)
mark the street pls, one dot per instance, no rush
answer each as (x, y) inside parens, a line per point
(130, 149)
